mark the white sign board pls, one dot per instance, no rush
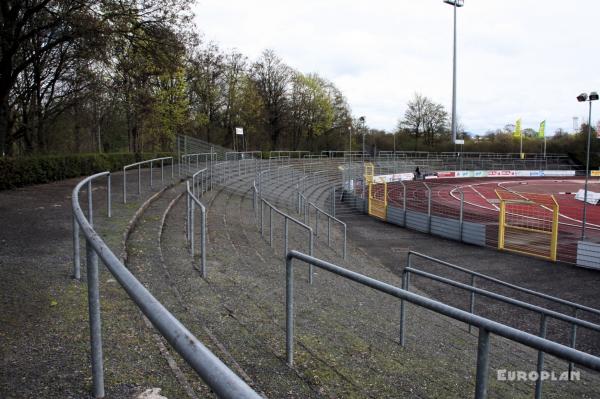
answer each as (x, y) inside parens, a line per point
(459, 141)
(239, 131)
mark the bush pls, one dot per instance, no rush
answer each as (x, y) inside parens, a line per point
(19, 172)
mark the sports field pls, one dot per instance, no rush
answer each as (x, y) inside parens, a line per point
(481, 205)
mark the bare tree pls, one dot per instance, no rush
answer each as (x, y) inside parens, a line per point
(272, 78)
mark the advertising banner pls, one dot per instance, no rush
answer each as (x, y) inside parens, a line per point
(443, 175)
(500, 173)
(558, 172)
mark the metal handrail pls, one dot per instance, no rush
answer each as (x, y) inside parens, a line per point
(574, 305)
(202, 182)
(76, 254)
(224, 382)
(192, 201)
(139, 165)
(186, 159)
(305, 204)
(286, 217)
(486, 326)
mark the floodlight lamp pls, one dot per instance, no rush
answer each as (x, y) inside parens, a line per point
(582, 97)
(458, 3)
(593, 96)
(362, 119)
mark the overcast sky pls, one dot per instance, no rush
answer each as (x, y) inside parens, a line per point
(526, 58)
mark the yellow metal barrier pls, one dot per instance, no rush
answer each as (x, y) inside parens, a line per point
(528, 224)
(378, 199)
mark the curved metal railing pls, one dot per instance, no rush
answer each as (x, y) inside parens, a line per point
(139, 166)
(224, 382)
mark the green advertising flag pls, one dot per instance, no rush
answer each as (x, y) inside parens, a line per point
(542, 129)
(518, 128)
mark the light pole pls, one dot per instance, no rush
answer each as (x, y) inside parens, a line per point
(349, 138)
(455, 4)
(362, 125)
(582, 98)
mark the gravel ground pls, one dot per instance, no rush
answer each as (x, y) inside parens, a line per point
(346, 335)
(44, 339)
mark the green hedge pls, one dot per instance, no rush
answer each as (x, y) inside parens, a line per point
(18, 172)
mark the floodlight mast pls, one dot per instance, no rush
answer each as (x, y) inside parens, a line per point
(582, 98)
(455, 4)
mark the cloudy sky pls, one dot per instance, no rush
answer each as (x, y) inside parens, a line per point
(525, 58)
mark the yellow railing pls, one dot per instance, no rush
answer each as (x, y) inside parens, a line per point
(526, 223)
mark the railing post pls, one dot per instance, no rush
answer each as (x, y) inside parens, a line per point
(172, 168)
(540, 360)
(344, 241)
(316, 220)
(262, 211)
(90, 204)
(95, 321)
(428, 207)
(573, 340)
(76, 256)
(192, 206)
(270, 226)
(203, 242)
(403, 305)
(472, 300)
(333, 200)
(162, 173)
(108, 197)
(150, 174)
(403, 202)
(461, 216)
(310, 252)
(139, 179)
(187, 217)
(328, 231)
(483, 364)
(124, 185)
(285, 236)
(289, 311)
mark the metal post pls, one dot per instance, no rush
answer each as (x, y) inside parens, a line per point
(344, 242)
(472, 301)
(316, 220)
(461, 216)
(124, 185)
(262, 211)
(403, 305)
(162, 172)
(289, 311)
(587, 172)
(573, 341)
(483, 364)
(333, 200)
(428, 207)
(310, 252)
(192, 206)
(95, 321)
(150, 174)
(540, 361)
(76, 256)
(178, 158)
(285, 235)
(172, 168)
(270, 226)
(108, 204)
(454, 82)
(328, 231)
(90, 204)
(139, 179)
(203, 242)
